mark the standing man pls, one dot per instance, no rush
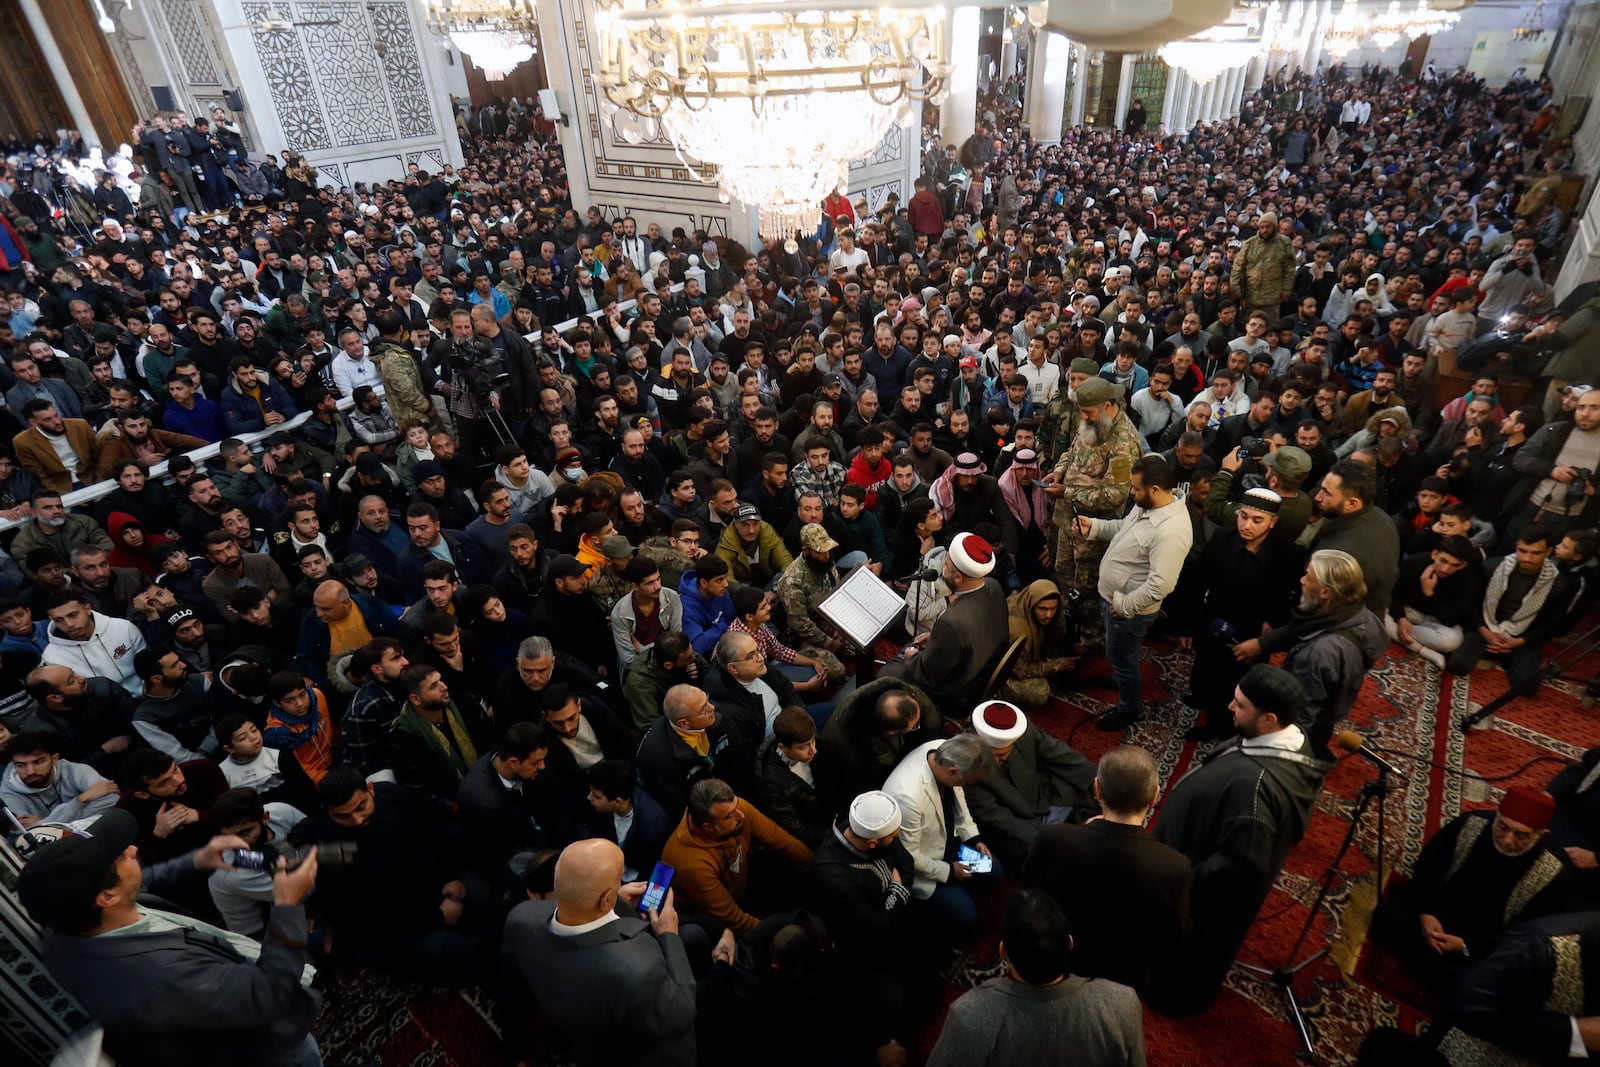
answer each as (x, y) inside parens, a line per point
(1141, 566)
(1091, 478)
(166, 987)
(1038, 1008)
(1236, 816)
(618, 985)
(1263, 271)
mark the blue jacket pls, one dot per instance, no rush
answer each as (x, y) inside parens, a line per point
(205, 421)
(469, 567)
(384, 552)
(35, 644)
(315, 643)
(705, 619)
(244, 415)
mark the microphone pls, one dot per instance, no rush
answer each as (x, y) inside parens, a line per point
(926, 574)
(1354, 742)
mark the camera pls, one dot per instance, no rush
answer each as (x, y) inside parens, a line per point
(1578, 488)
(478, 367)
(332, 854)
(1252, 447)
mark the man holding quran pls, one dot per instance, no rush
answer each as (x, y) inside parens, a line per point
(953, 661)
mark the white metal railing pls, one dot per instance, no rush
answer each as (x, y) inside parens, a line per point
(90, 493)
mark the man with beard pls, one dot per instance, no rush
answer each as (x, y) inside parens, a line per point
(1092, 479)
(38, 786)
(376, 535)
(637, 468)
(1481, 873)
(967, 495)
(951, 662)
(131, 437)
(54, 528)
(1236, 816)
(1337, 641)
(1363, 405)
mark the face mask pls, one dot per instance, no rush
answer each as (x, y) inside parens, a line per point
(573, 474)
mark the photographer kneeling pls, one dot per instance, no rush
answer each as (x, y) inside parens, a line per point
(168, 988)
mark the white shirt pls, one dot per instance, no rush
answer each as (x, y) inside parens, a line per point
(1288, 739)
(349, 374)
(585, 748)
(769, 700)
(561, 929)
(1043, 382)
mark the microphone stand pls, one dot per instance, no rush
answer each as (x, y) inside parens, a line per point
(23, 832)
(1283, 976)
(1552, 671)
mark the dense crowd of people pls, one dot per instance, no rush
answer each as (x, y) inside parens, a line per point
(509, 568)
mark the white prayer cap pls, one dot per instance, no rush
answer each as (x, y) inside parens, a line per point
(999, 724)
(874, 815)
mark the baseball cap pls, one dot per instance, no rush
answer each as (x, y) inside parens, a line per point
(617, 547)
(1098, 391)
(815, 538)
(747, 513)
(1289, 460)
(566, 566)
(61, 881)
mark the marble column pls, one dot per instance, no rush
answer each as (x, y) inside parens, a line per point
(1048, 63)
(1124, 88)
(1079, 83)
(959, 115)
(1233, 91)
(51, 53)
(1323, 20)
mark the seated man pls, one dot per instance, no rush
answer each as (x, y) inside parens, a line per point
(670, 661)
(687, 744)
(929, 785)
(1437, 591)
(1482, 872)
(713, 853)
(506, 806)
(1039, 781)
(867, 734)
(953, 661)
(1126, 893)
(628, 816)
(38, 786)
(1526, 605)
(434, 740)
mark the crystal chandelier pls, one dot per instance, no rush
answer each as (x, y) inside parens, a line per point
(1532, 24)
(497, 35)
(1346, 32)
(770, 100)
(1277, 35)
(1425, 21)
(1209, 53)
(1390, 26)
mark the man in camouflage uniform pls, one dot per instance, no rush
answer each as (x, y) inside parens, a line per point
(1092, 478)
(401, 374)
(804, 584)
(1060, 422)
(607, 584)
(1263, 271)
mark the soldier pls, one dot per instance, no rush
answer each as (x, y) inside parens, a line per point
(1092, 478)
(1061, 419)
(1263, 271)
(804, 584)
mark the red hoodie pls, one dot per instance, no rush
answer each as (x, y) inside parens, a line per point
(134, 558)
(867, 477)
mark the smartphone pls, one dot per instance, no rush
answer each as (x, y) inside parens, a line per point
(656, 889)
(974, 861)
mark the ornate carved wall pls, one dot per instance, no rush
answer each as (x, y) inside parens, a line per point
(359, 87)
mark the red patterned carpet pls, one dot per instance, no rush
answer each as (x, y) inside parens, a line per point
(1406, 708)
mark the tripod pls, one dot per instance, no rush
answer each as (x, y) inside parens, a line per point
(1283, 977)
(1554, 670)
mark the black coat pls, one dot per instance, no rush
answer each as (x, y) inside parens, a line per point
(1125, 895)
(561, 766)
(746, 719)
(668, 768)
(788, 800)
(500, 822)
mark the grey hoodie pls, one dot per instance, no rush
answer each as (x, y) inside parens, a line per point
(58, 801)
